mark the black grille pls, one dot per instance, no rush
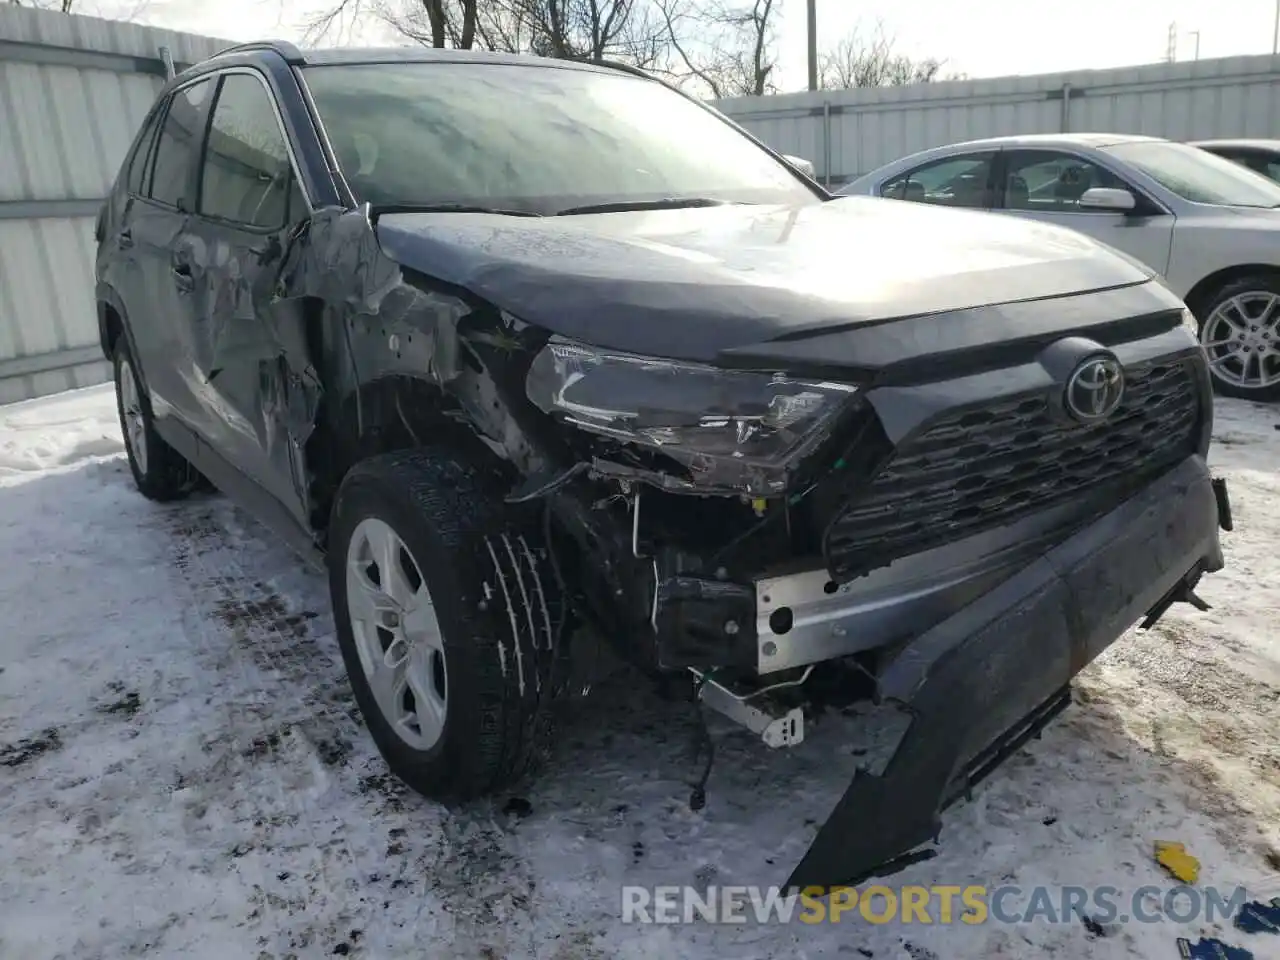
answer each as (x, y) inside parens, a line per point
(994, 464)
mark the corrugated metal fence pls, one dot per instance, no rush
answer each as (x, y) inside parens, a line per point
(73, 91)
(847, 133)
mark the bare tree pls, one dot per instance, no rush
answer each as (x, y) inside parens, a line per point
(433, 23)
(63, 6)
(855, 62)
(575, 29)
(124, 10)
(728, 47)
(628, 30)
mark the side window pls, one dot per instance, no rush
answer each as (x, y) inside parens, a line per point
(1235, 156)
(1049, 182)
(1263, 163)
(1253, 161)
(176, 147)
(952, 182)
(139, 160)
(247, 177)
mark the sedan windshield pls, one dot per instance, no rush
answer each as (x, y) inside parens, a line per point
(1198, 175)
(534, 138)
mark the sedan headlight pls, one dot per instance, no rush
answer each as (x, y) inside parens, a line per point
(704, 417)
(1190, 322)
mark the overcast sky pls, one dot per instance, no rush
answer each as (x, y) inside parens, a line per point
(982, 38)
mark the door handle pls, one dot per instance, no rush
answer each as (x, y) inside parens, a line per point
(182, 278)
(126, 238)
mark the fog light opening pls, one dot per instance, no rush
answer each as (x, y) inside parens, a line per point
(780, 620)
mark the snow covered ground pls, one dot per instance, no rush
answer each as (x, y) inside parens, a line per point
(182, 773)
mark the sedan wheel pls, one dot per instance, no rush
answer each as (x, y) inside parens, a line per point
(1241, 336)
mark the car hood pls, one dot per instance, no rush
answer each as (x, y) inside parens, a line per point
(690, 284)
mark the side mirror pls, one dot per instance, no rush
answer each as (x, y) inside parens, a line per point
(1107, 198)
(801, 164)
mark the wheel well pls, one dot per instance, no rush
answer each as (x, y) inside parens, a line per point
(385, 415)
(111, 328)
(1199, 295)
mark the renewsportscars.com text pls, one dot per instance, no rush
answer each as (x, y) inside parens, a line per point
(939, 904)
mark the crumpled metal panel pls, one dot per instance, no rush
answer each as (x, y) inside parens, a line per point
(255, 318)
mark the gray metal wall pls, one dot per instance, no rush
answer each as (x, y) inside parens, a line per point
(73, 91)
(846, 133)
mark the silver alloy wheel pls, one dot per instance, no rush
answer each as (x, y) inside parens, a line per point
(1242, 339)
(397, 635)
(135, 428)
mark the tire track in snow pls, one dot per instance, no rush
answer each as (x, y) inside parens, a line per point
(440, 875)
(285, 676)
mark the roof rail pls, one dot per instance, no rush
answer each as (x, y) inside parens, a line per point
(287, 50)
(623, 67)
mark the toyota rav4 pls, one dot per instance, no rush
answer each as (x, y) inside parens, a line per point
(529, 351)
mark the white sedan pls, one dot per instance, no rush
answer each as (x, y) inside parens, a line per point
(1209, 226)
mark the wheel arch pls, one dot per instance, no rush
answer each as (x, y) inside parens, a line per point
(393, 412)
(113, 323)
(1199, 296)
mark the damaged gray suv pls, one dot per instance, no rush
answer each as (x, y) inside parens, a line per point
(521, 346)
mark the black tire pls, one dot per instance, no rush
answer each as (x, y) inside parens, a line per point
(160, 472)
(492, 591)
(1268, 284)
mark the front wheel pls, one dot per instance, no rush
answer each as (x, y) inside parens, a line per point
(447, 619)
(1240, 332)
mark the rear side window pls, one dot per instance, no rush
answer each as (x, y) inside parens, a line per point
(139, 160)
(960, 181)
(247, 177)
(175, 150)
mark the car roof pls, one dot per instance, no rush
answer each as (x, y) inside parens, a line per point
(1053, 140)
(1242, 143)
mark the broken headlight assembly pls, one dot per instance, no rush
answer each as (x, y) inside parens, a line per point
(734, 429)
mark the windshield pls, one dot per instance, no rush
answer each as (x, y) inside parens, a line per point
(1198, 175)
(533, 138)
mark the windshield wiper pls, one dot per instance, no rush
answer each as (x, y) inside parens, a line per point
(624, 206)
(378, 209)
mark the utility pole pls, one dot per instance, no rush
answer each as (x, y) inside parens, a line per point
(1275, 34)
(813, 42)
(1171, 52)
(1196, 34)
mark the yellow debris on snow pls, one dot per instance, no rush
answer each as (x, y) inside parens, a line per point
(1175, 859)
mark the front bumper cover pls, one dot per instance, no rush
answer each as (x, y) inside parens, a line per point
(983, 680)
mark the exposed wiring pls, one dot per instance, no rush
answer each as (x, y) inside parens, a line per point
(745, 535)
(698, 797)
(552, 485)
(405, 420)
(355, 375)
(562, 586)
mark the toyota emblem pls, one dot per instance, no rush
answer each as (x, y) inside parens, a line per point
(1095, 389)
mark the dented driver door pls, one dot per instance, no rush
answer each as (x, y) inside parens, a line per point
(259, 389)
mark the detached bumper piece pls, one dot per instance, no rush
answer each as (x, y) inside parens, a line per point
(1224, 504)
(982, 682)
